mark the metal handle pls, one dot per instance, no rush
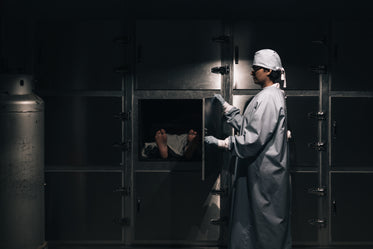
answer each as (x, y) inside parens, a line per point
(334, 129)
(138, 205)
(334, 207)
(236, 54)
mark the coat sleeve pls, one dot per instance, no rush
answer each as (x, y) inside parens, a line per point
(259, 128)
(234, 118)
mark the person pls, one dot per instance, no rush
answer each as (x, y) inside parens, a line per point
(261, 191)
(167, 146)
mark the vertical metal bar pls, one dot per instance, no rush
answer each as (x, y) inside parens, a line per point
(319, 171)
(227, 93)
(129, 175)
(203, 139)
(329, 147)
(123, 162)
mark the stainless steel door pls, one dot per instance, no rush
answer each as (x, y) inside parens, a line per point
(174, 199)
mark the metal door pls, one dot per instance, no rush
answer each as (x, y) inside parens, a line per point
(351, 101)
(177, 54)
(77, 71)
(176, 201)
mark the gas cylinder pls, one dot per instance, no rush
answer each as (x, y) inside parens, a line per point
(21, 164)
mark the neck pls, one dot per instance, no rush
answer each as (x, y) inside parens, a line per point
(268, 83)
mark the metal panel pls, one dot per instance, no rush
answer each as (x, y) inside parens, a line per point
(241, 101)
(353, 38)
(176, 206)
(303, 131)
(299, 43)
(79, 55)
(351, 132)
(352, 207)
(177, 54)
(82, 206)
(81, 131)
(304, 208)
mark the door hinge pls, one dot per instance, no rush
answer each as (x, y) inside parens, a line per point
(317, 191)
(122, 221)
(126, 146)
(123, 190)
(319, 146)
(317, 222)
(220, 70)
(222, 192)
(319, 69)
(221, 39)
(123, 116)
(317, 115)
(219, 221)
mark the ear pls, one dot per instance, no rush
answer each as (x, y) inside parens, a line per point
(268, 71)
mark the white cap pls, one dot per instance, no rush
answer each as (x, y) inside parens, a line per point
(270, 59)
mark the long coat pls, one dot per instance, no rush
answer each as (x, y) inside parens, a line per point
(261, 193)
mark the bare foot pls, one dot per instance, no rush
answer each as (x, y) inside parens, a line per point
(191, 135)
(161, 140)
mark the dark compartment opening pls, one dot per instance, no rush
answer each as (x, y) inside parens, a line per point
(175, 116)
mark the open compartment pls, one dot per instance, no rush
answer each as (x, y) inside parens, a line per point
(179, 125)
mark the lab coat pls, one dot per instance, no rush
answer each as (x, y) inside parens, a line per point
(261, 191)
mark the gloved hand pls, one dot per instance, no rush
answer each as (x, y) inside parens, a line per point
(219, 98)
(211, 140)
(217, 142)
(226, 107)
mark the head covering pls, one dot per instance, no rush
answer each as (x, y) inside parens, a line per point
(270, 59)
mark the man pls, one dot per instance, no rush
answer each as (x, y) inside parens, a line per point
(261, 194)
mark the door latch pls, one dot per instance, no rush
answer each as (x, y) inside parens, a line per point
(319, 69)
(122, 69)
(317, 222)
(123, 115)
(317, 191)
(317, 115)
(126, 146)
(220, 70)
(319, 146)
(122, 221)
(122, 40)
(221, 39)
(123, 190)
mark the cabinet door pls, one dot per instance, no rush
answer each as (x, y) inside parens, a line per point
(79, 55)
(353, 39)
(82, 206)
(177, 54)
(351, 133)
(175, 207)
(300, 45)
(352, 205)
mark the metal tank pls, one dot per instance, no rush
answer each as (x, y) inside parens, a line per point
(21, 164)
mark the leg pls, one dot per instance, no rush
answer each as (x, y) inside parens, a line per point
(161, 140)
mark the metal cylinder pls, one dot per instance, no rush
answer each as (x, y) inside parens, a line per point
(21, 164)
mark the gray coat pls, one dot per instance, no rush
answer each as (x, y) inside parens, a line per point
(261, 194)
